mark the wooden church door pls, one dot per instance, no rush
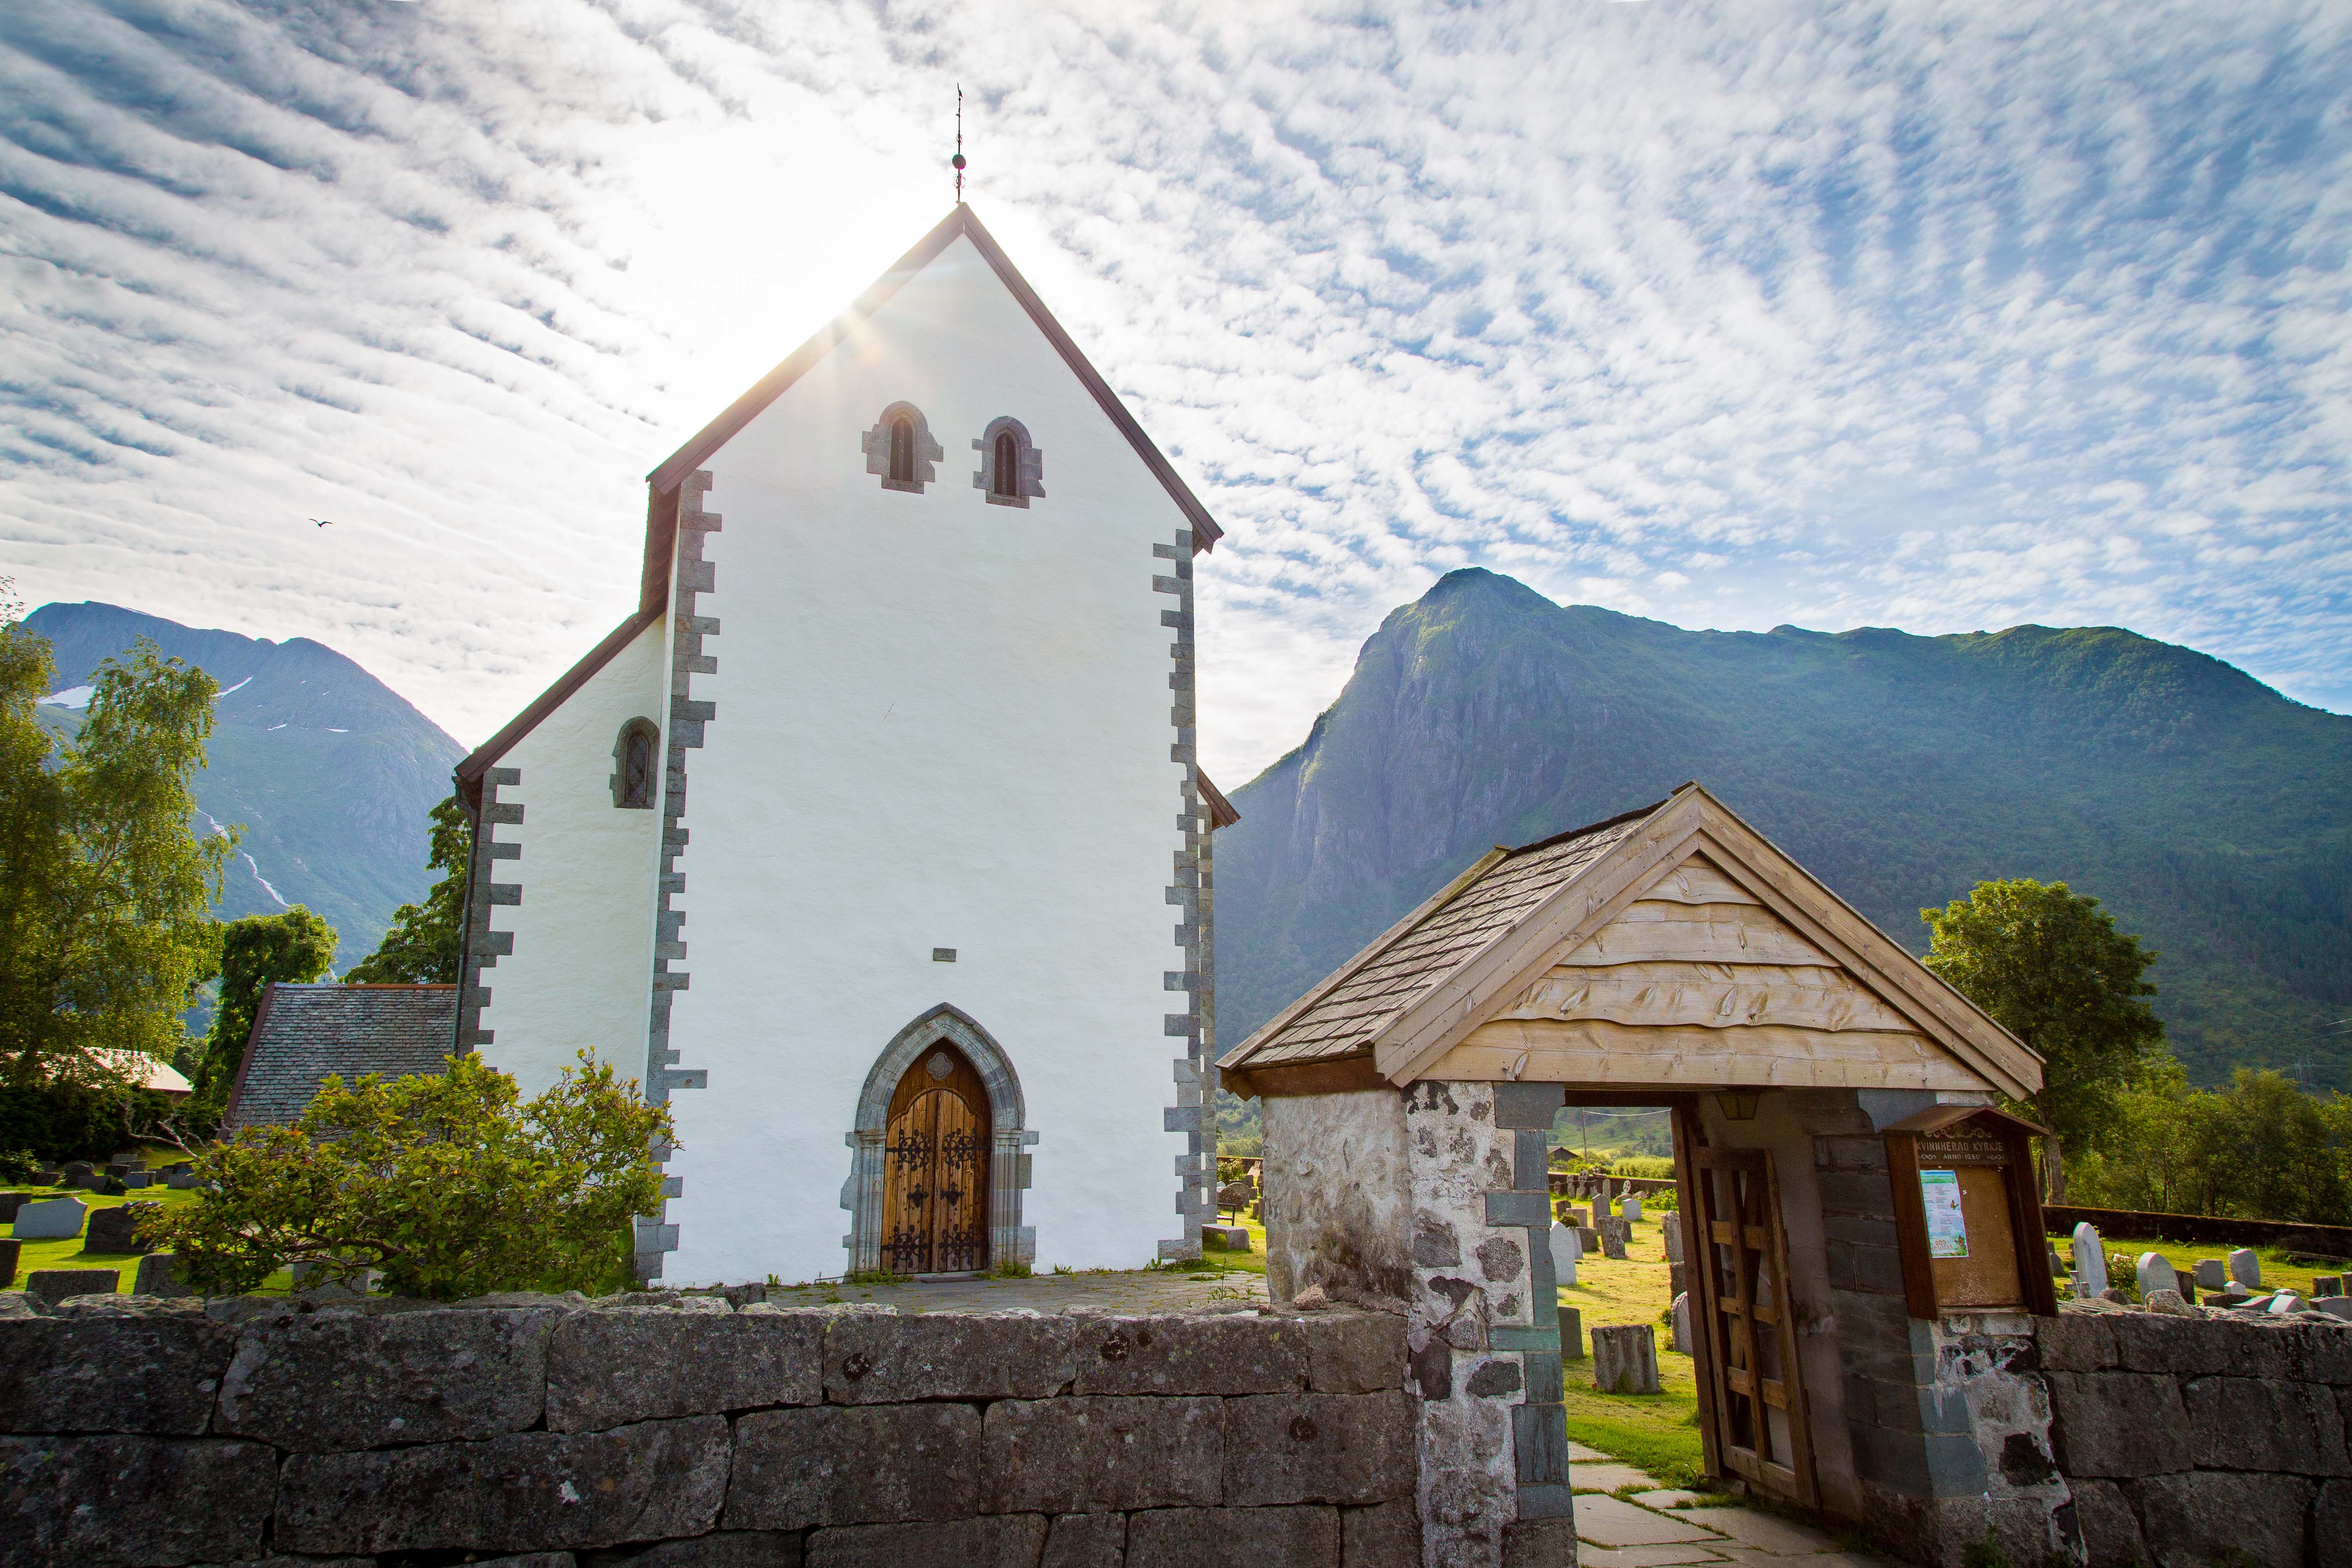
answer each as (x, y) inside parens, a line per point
(935, 1168)
(1742, 1312)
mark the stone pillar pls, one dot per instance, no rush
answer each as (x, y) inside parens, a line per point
(1483, 1328)
(1949, 1426)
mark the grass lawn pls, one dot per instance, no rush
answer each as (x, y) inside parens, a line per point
(1656, 1432)
(70, 1255)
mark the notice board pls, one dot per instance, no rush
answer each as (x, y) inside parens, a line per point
(1967, 1220)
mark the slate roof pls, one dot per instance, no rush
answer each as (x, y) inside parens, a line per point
(302, 1032)
(1341, 1016)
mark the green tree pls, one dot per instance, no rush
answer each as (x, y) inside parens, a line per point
(2050, 966)
(421, 948)
(446, 1181)
(294, 948)
(104, 886)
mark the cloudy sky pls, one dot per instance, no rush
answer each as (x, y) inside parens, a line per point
(1941, 317)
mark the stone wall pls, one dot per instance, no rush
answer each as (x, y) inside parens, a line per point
(2201, 1440)
(666, 1432)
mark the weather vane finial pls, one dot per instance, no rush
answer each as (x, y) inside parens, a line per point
(957, 162)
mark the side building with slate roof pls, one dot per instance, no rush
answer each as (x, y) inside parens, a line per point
(303, 1032)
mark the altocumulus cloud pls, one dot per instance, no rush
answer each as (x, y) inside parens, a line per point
(1937, 316)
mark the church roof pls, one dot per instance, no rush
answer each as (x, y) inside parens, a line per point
(662, 484)
(302, 1032)
(1672, 945)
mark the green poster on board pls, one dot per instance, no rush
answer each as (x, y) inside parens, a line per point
(1948, 1233)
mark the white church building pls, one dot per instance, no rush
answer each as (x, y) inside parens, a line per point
(873, 843)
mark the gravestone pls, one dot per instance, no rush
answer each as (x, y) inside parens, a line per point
(1625, 1358)
(138, 1179)
(1571, 1333)
(2246, 1268)
(2057, 1264)
(1632, 1207)
(1565, 1252)
(54, 1219)
(54, 1285)
(11, 1201)
(82, 1175)
(2090, 1262)
(2155, 1272)
(1226, 1237)
(1615, 1232)
(1589, 1239)
(1569, 1215)
(2284, 1301)
(159, 1275)
(2185, 1282)
(1234, 1196)
(2211, 1275)
(9, 1251)
(180, 1179)
(122, 1168)
(2323, 1285)
(1682, 1323)
(115, 1229)
(2334, 1306)
(127, 1157)
(1670, 1225)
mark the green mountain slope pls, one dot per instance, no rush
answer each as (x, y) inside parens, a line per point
(2213, 815)
(329, 772)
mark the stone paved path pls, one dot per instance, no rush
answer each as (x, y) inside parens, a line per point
(1656, 1528)
(1138, 1290)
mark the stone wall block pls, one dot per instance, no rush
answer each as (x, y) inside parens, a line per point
(1319, 1447)
(1386, 1535)
(831, 1465)
(878, 1358)
(2262, 1424)
(321, 1382)
(1000, 1540)
(2075, 1341)
(2117, 1424)
(1836, 1153)
(1088, 1541)
(1355, 1353)
(1856, 1193)
(1193, 1355)
(720, 1548)
(155, 1374)
(528, 1492)
(1234, 1538)
(1087, 1454)
(2331, 1518)
(2319, 1352)
(2209, 1517)
(1877, 1271)
(2110, 1528)
(609, 1368)
(2200, 1347)
(128, 1501)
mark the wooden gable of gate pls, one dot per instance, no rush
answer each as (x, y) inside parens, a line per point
(1692, 952)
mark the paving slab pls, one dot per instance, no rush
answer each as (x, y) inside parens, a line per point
(1591, 1556)
(1608, 1477)
(1579, 1453)
(1770, 1533)
(1665, 1498)
(1755, 1557)
(1608, 1522)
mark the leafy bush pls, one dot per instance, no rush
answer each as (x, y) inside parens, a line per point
(69, 1120)
(445, 1182)
(18, 1167)
(1646, 1167)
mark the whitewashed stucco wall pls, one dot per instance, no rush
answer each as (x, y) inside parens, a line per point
(940, 723)
(582, 968)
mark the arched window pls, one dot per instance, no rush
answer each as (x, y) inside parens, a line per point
(899, 450)
(1011, 470)
(636, 766)
(1006, 478)
(902, 450)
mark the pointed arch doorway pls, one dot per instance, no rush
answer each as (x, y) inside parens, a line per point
(902, 1143)
(935, 1172)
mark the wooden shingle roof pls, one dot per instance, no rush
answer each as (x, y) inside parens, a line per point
(1340, 1017)
(302, 1032)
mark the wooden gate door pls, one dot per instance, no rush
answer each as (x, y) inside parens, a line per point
(935, 1168)
(1742, 1274)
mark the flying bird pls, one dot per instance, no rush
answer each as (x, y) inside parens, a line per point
(324, 521)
